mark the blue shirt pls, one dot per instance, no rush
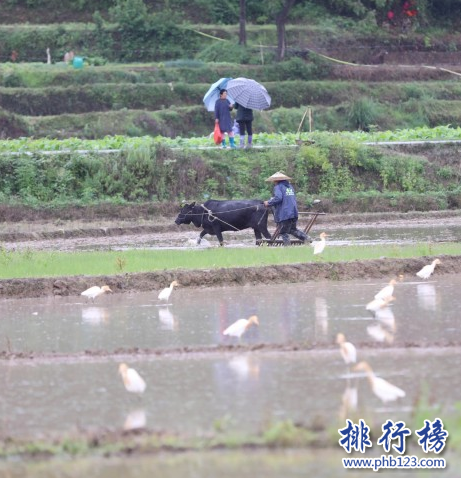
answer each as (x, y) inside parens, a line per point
(222, 113)
(284, 202)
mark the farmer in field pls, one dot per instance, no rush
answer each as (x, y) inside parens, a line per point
(222, 116)
(285, 208)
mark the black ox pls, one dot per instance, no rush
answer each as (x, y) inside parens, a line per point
(218, 216)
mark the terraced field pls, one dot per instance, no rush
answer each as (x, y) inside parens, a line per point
(347, 89)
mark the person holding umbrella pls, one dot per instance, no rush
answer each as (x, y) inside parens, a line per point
(245, 120)
(286, 209)
(222, 116)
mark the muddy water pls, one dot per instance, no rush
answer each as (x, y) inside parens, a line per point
(244, 392)
(223, 464)
(407, 235)
(447, 231)
(310, 314)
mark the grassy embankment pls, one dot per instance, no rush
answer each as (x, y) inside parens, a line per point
(17, 264)
(278, 434)
(338, 168)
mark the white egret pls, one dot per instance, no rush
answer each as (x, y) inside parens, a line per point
(348, 350)
(319, 246)
(387, 291)
(165, 293)
(426, 271)
(96, 291)
(133, 382)
(381, 388)
(238, 328)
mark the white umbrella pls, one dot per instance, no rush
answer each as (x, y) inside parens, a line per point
(212, 95)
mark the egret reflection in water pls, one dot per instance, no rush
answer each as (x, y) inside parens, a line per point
(386, 317)
(380, 334)
(321, 315)
(427, 296)
(244, 366)
(95, 315)
(349, 401)
(135, 420)
(167, 319)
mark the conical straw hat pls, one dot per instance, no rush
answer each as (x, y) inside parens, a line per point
(278, 176)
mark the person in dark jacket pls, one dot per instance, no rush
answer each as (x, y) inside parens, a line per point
(222, 116)
(245, 121)
(285, 208)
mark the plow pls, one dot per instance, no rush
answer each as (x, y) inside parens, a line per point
(275, 242)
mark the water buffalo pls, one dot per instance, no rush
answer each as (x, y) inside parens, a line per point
(218, 216)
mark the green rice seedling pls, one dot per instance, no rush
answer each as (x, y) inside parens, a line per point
(55, 264)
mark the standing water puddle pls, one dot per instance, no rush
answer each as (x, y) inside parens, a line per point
(311, 313)
(244, 392)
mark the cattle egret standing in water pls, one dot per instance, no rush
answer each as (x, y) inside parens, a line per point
(426, 271)
(320, 245)
(381, 388)
(95, 291)
(238, 328)
(387, 291)
(131, 379)
(348, 350)
(165, 293)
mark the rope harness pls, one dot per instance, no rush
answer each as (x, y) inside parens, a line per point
(212, 217)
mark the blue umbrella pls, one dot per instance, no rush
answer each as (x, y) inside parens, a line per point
(212, 95)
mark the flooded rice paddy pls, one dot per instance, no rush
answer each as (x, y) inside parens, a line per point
(240, 392)
(424, 313)
(414, 344)
(225, 464)
(185, 236)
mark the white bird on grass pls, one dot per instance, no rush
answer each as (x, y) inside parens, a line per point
(381, 388)
(96, 291)
(348, 350)
(426, 271)
(238, 328)
(387, 291)
(133, 382)
(165, 293)
(320, 245)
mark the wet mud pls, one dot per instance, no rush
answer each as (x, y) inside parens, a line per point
(136, 353)
(45, 234)
(222, 277)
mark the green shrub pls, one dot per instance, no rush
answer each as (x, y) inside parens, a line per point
(362, 113)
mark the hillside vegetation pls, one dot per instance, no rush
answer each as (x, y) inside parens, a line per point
(147, 68)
